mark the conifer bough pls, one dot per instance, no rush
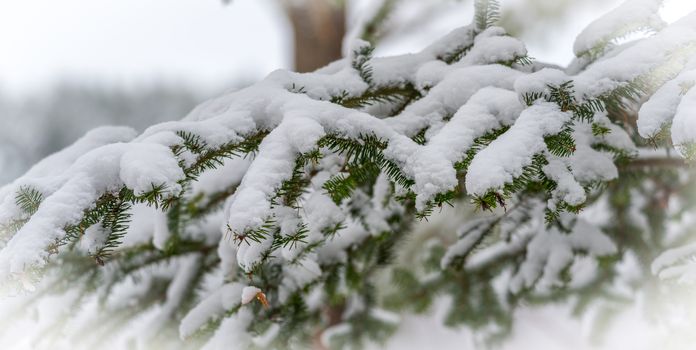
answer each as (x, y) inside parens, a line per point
(264, 217)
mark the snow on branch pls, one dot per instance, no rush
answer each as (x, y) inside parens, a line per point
(300, 179)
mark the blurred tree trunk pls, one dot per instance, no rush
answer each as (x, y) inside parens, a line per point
(319, 27)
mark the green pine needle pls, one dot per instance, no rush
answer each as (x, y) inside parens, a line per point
(28, 199)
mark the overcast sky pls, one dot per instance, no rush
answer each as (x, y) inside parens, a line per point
(198, 42)
(136, 41)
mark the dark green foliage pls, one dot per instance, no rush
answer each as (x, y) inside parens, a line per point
(399, 95)
(564, 96)
(531, 97)
(332, 230)
(341, 186)
(446, 198)
(600, 130)
(157, 197)
(623, 97)
(489, 201)
(361, 62)
(407, 95)
(191, 142)
(411, 294)
(419, 138)
(364, 161)
(291, 190)
(299, 236)
(209, 158)
(394, 95)
(111, 209)
(530, 173)
(553, 217)
(90, 217)
(357, 274)
(28, 199)
(294, 315)
(116, 221)
(561, 144)
(257, 235)
(365, 149)
(585, 111)
(455, 55)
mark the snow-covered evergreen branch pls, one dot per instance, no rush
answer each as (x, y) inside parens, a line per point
(263, 216)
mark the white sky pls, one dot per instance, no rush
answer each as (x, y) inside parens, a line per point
(138, 41)
(199, 42)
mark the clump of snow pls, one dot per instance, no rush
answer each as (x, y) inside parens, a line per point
(630, 16)
(160, 230)
(568, 188)
(222, 178)
(432, 165)
(249, 293)
(493, 46)
(684, 124)
(297, 276)
(46, 174)
(469, 235)
(507, 156)
(450, 94)
(590, 165)
(232, 332)
(210, 308)
(95, 236)
(551, 251)
(661, 108)
(539, 81)
(672, 45)
(149, 165)
(676, 263)
(140, 229)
